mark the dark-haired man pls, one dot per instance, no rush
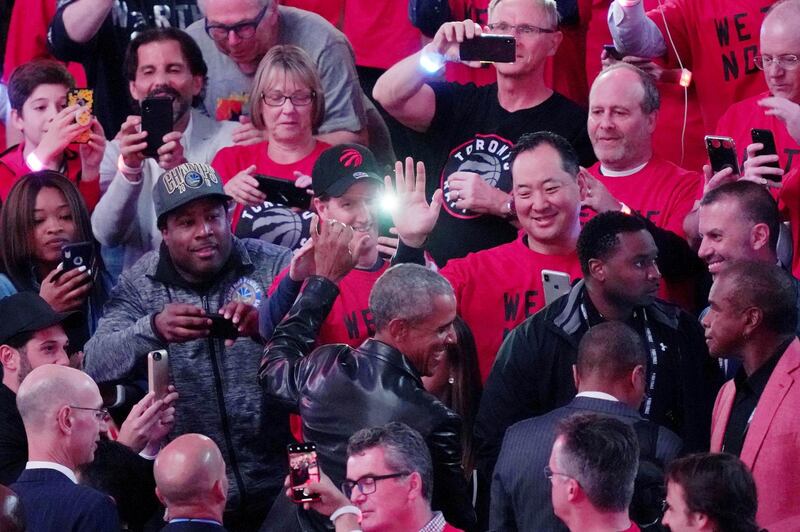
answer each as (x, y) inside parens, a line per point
(533, 371)
(610, 379)
(165, 302)
(753, 319)
(159, 62)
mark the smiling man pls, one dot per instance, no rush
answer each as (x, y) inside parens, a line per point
(533, 371)
(338, 390)
(160, 62)
(165, 302)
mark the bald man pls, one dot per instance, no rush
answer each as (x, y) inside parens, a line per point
(191, 483)
(61, 409)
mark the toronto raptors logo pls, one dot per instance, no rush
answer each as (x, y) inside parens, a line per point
(486, 155)
(350, 157)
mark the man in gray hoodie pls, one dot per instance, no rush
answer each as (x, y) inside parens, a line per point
(166, 301)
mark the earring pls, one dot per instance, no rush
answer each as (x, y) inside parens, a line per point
(451, 379)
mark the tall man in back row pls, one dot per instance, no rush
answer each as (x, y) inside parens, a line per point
(470, 131)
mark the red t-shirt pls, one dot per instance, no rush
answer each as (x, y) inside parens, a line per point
(331, 10)
(669, 127)
(350, 321)
(497, 288)
(789, 205)
(717, 40)
(743, 116)
(231, 160)
(27, 38)
(380, 32)
(13, 167)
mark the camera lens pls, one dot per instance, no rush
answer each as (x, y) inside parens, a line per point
(547, 278)
(156, 356)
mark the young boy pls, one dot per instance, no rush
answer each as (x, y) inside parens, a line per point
(37, 92)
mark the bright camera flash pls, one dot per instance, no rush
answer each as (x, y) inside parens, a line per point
(388, 202)
(430, 62)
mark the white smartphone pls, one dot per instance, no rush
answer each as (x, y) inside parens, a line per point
(555, 284)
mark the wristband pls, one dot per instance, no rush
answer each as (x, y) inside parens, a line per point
(33, 162)
(349, 509)
(125, 169)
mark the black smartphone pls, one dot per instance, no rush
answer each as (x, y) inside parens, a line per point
(612, 52)
(77, 255)
(157, 121)
(303, 470)
(284, 192)
(765, 137)
(489, 48)
(222, 328)
(722, 153)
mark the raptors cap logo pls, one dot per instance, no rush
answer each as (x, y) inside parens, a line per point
(350, 157)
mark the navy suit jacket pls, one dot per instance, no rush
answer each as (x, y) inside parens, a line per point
(192, 526)
(520, 492)
(53, 503)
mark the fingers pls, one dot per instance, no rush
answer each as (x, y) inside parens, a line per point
(436, 201)
(359, 243)
(314, 227)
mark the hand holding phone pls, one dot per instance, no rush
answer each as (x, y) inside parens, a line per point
(303, 470)
(85, 99)
(222, 328)
(283, 192)
(767, 139)
(489, 48)
(77, 255)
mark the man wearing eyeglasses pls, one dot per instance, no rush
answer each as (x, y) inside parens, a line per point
(62, 411)
(236, 34)
(467, 132)
(162, 62)
(388, 486)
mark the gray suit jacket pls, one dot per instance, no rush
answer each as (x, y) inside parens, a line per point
(125, 215)
(520, 491)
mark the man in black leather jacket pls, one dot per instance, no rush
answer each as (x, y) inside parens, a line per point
(339, 390)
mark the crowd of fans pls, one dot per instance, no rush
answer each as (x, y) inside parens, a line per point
(507, 296)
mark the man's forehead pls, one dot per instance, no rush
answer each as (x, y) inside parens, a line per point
(152, 52)
(52, 333)
(369, 461)
(519, 12)
(231, 11)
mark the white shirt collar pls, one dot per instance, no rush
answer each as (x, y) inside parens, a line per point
(598, 395)
(33, 464)
(623, 173)
(187, 133)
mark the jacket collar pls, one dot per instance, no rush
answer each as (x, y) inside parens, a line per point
(391, 356)
(163, 270)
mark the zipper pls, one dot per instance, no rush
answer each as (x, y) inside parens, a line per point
(224, 413)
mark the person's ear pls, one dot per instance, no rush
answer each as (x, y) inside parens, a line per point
(638, 379)
(414, 485)
(321, 208)
(759, 236)
(556, 39)
(16, 119)
(652, 120)
(218, 491)
(573, 490)
(575, 377)
(597, 269)
(64, 418)
(398, 329)
(9, 358)
(753, 318)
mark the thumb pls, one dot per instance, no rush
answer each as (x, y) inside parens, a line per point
(360, 244)
(250, 170)
(244, 119)
(436, 201)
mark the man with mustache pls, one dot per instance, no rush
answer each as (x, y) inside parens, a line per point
(159, 62)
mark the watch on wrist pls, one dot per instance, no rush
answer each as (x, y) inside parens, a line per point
(509, 209)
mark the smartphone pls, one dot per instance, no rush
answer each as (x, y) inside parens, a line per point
(765, 137)
(556, 284)
(77, 255)
(303, 470)
(612, 52)
(157, 121)
(84, 98)
(222, 328)
(489, 48)
(284, 192)
(722, 153)
(158, 372)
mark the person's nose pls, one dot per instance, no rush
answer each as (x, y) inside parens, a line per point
(62, 359)
(653, 272)
(706, 250)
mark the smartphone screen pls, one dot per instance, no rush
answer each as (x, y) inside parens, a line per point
(158, 372)
(722, 153)
(303, 470)
(84, 98)
(157, 121)
(488, 48)
(222, 328)
(765, 137)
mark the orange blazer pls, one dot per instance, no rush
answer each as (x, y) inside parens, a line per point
(772, 446)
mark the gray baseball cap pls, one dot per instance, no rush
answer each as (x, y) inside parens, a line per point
(185, 183)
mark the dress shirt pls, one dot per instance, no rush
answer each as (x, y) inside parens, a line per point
(69, 473)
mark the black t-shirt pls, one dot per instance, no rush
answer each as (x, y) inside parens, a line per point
(103, 56)
(472, 132)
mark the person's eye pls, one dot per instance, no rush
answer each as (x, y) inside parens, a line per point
(551, 190)
(525, 29)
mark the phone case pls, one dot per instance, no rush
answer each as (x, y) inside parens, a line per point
(489, 48)
(722, 153)
(765, 137)
(77, 255)
(158, 372)
(157, 121)
(84, 98)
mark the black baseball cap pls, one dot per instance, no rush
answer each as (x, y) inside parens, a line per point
(338, 167)
(26, 312)
(184, 184)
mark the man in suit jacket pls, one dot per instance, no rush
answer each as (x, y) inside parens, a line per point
(191, 483)
(753, 318)
(62, 411)
(610, 378)
(159, 62)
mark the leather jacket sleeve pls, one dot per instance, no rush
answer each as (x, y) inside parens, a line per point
(293, 339)
(452, 499)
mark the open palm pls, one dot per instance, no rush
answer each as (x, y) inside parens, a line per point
(413, 216)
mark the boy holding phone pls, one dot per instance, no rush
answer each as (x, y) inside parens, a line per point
(38, 96)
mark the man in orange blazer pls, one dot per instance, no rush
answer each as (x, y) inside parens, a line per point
(757, 413)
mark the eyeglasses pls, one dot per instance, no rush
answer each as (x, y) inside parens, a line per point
(520, 30)
(664, 506)
(298, 99)
(549, 473)
(787, 62)
(367, 484)
(244, 30)
(101, 414)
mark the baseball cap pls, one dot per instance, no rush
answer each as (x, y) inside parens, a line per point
(338, 167)
(27, 312)
(185, 183)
